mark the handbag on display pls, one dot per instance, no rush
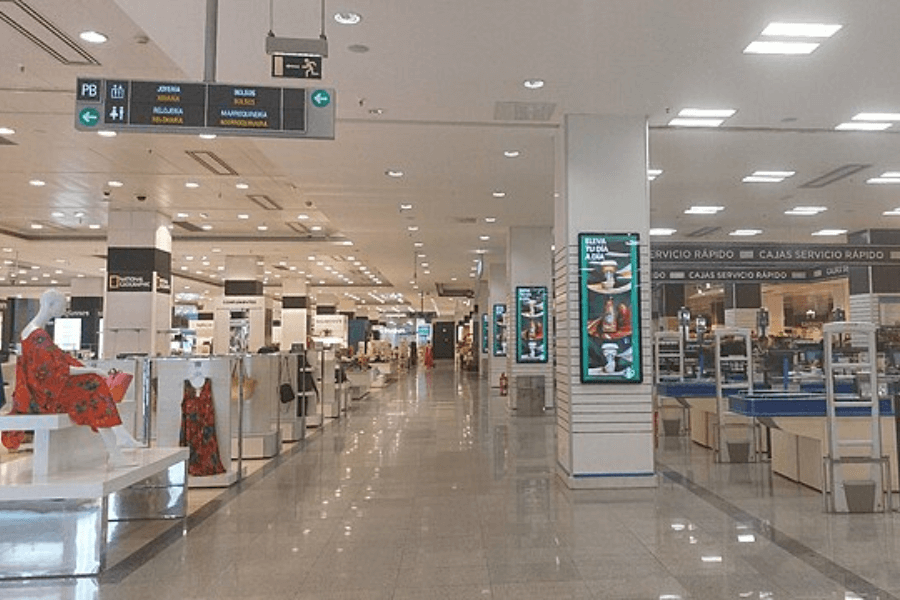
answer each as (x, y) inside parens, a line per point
(286, 393)
(118, 382)
(249, 385)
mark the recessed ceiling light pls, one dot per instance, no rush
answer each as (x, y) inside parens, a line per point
(192, 185)
(662, 231)
(93, 226)
(418, 244)
(346, 243)
(746, 232)
(810, 30)
(682, 122)
(115, 184)
(243, 216)
(412, 228)
(498, 194)
(864, 116)
(707, 113)
(93, 37)
(782, 174)
(406, 207)
(481, 251)
(533, 84)
(316, 228)
(37, 226)
(652, 174)
(883, 180)
(207, 136)
(490, 219)
(107, 133)
(7, 131)
(302, 217)
(767, 176)
(805, 211)
(891, 174)
(393, 173)
(826, 232)
(863, 126)
(892, 213)
(37, 182)
(206, 227)
(484, 238)
(348, 18)
(182, 215)
(511, 154)
(57, 214)
(786, 48)
(704, 210)
(216, 249)
(242, 186)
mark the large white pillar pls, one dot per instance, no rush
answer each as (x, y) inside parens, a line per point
(243, 316)
(498, 292)
(294, 311)
(604, 430)
(138, 306)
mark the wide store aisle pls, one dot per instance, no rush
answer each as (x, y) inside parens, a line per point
(431, 490)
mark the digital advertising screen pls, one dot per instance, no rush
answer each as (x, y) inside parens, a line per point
(531, 324)
(499, 331)
(609, 295)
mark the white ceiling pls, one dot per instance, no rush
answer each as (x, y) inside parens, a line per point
(437, 69)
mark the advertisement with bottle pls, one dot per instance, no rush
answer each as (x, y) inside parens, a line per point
(531, 324)
(499, 332)
(609, 295)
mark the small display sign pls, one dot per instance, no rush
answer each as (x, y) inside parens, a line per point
(485, 334)
(531, 324)
(244, 107)
(499, 331)
(297, 67)
(157, 103)
(609, 295)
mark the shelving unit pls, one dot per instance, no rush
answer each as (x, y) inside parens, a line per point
(736, 435)
(669, 355)
(857, 473)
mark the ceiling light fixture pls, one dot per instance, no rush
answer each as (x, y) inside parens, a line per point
(93, 37)
(182, 215)
(864, 116)
(682, 122)
(242, 186)
(302, 217)
(652, 174)
(704, 210)
(192, 185)
(888, 177)
(511, 154)
(7, 131)
(806, 211)
(745, 232)
(206, 227)
(863, 126)
(707, 113)
(207, 136)
(243, 216)
(830, 232)
(662, 231)
(784, 48)
(807, 30)
(107, 133)
(499, 194)
(767, 176)
(418, 244)
(412, 228)
(533, 84)
(316, 228)
(348, 18)
(490, 219)
(115, 184)
(484, 238)
(406, 207)
(37, 183)
(394, 173)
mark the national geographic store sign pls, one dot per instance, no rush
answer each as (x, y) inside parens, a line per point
(139, 270)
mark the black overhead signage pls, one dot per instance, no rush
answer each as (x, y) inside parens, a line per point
(773, 255)
(297, 67)
(686, 274)
(177, 107)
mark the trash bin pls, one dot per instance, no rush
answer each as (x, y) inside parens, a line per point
(860, 495)
(529, 395)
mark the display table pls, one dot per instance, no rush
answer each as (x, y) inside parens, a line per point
(66, 514)
(799, 431)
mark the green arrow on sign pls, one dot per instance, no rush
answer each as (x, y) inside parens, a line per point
(321, 98)
(89, 117)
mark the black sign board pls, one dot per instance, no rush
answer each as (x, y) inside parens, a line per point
(197, 108)
(773, 255)
(689, 274)
(297, 67)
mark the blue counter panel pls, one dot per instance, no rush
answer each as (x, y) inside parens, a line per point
(795, 405)
(703, 388)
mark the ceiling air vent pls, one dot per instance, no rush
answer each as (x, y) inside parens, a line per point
(187, 226)
(263, 201)
(467, 220)
(43, 33)
(523, 111)
(297, 227)
(6, 142)
(703, 232)
(835, 175)
(212, 162)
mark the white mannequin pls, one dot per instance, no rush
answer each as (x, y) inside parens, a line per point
(53, 304)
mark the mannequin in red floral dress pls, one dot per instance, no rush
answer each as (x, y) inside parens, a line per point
(50, 381)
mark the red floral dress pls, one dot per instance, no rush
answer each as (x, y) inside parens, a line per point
(198, 430)
(44, 386)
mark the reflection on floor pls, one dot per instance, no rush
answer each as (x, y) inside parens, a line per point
(430, 489)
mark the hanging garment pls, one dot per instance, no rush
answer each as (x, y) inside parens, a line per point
(44, 386)
(198, 430)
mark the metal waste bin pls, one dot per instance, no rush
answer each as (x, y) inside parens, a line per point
(529, 395)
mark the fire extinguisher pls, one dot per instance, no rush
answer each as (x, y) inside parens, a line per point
(504, 384)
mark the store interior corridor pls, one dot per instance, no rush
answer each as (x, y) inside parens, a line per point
(431, 488)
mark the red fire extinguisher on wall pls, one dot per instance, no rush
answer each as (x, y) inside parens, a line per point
(504, 384)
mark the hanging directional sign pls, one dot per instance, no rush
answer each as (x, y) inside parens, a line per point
(196, 108)
(297, 67)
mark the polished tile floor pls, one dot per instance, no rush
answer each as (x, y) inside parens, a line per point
(430, 489)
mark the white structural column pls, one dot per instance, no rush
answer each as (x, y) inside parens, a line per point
(244, 314)
(294, 311)
(604, 430)
(498, 290)
(138, 306)
(483, 352)
(529, 262)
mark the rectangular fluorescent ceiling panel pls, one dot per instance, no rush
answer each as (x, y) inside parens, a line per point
(704, 210)
(683, 122)
(662, 231)
(784, 48)
(864, 116)
(802, 30)
(829, 232)
(707, 113)
(806, 211)
(767, 176)
(892, 213)
(863, 126)
(746, 232)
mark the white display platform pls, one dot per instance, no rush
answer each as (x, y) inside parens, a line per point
(60, 445)
(261, 433)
